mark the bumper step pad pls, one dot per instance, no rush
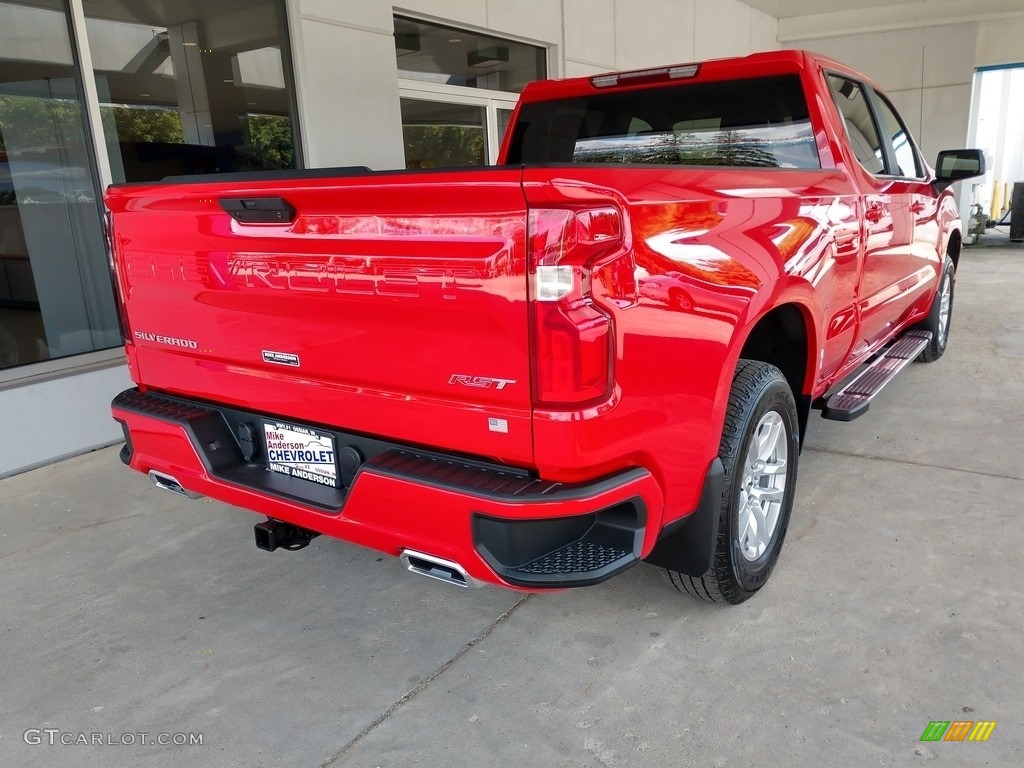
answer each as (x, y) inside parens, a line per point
(853, 399)
(565, 552)
(578, 557)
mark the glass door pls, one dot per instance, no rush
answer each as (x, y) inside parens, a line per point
(440, 135)
(445, 129)
(504, 117)
(458, 89)
(55, 291)
(180, 94)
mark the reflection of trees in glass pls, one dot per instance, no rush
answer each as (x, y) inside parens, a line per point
(722, 149)
(265, 138)
(439, 146)
(36, 121)
(268, 138)
(730, 149)
(143, 125)
(36, 130)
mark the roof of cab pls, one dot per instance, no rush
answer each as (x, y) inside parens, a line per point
(764, 64)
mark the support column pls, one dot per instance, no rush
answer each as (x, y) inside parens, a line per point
(190, 81)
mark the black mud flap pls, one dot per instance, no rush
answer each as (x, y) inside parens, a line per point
(688, 545)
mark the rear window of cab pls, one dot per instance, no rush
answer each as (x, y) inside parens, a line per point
(752, 123)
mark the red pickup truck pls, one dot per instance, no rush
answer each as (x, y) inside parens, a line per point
(604, 350)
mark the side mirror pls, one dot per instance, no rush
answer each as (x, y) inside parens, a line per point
(956, 164)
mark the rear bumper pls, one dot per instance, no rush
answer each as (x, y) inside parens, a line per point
(501, 525)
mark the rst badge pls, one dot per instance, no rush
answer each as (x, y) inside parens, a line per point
(480, 382)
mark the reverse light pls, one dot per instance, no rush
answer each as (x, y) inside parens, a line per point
(640, 76)
(552, 283)
(573, 338)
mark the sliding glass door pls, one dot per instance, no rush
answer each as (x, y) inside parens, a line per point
(458, 90)
(55, 291)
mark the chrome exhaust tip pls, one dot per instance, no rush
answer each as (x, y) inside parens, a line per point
(169, 483)
(437, 568)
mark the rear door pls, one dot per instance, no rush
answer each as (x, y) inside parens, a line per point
(390, 304)
(888, 224)
(923, 264)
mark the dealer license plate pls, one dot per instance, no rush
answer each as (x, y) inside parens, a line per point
(301, 452)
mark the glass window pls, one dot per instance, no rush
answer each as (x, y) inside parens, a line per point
(760, 123)
(860, 126)
(449, 56)
(439, 135)
(55, 291)
(908, 163)
(504, 118)
(190, 87)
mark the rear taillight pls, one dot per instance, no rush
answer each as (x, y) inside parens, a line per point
(115, 278)
(573, 336)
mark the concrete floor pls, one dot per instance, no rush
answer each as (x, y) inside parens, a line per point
(898, 601)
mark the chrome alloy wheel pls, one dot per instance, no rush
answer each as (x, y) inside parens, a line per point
(763, 487)
(945, 303)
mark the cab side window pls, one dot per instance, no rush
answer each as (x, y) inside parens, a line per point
(860, 125)
(908, 162)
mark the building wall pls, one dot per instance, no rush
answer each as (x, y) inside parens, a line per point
(927, 70)
(48, 420)
(618, 34)
(1000, 42)
(348, 77)
(347, 83)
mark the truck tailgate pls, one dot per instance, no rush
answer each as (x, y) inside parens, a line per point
(389, 304)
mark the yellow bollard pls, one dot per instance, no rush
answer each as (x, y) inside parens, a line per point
(996, 208)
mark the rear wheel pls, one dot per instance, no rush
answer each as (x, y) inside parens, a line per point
(759, 451)
(941, 314)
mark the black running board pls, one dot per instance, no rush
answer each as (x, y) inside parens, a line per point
(854, 398)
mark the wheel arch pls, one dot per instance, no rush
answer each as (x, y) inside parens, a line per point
(786, 336)
(954, 245)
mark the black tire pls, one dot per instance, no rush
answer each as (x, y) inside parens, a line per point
(933, 323)
(757, 389)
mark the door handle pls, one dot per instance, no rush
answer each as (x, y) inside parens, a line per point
(259, 210)
(874, 213)
(916, 207)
